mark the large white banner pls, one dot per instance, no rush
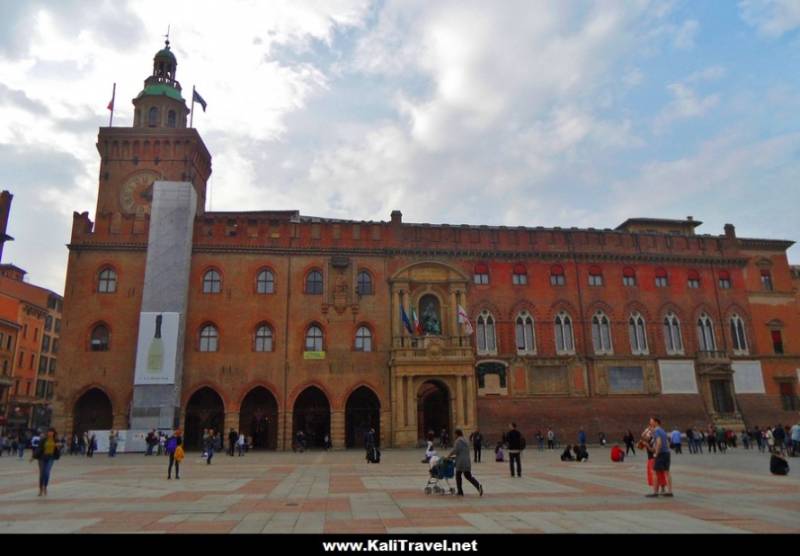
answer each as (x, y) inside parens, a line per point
(748, 377)
(157, 350)
(677, 376)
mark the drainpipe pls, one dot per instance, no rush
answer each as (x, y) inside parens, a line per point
(286, 351)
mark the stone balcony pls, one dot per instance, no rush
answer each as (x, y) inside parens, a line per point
(420, 348)
(713, 358)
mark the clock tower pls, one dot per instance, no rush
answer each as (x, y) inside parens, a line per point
(158, 146)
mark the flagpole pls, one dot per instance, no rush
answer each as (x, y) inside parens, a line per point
(191, 117)
(113, 97)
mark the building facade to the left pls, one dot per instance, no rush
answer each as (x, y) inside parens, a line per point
(30, 326)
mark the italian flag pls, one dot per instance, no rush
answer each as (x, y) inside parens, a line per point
(417, 326)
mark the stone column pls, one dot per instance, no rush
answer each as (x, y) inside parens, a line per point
(472, 401)
(337, 429)
(119, 422)
(285, 433)
(459, 402)
(411, 408)
(231, 422)
(394, 313)
(454, 316)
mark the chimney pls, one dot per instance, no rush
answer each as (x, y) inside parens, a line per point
(5, 212)
(730, 231)
(397, 217)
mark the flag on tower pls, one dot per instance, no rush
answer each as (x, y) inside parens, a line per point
(463, 318)
(406, 322)
(417, 326)
(197, 98)
(111, 105)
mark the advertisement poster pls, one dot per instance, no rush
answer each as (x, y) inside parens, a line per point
(157, 350)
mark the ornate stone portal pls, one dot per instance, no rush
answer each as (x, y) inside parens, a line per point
(441, 356)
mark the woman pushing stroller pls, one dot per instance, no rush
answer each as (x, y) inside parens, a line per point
(463, 467)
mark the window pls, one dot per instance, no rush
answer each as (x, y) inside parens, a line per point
(705, 333)
(364, 283)
(314, 282)
(99, 338)
(41, 388)
(595, 276)
(212, 282)
(724, 280)
(520, 275)
(8, 342)
(637, 334)
(738, 335)
(628, 277)
(209, 338)
(672, 334)
(363, 339)
(49, 390)
(487, 341)
(58, 326)
(53, 366)
(171, 119)
(601, 333)
(264, 338)
(524, 333)
(55, 346)
(45, 343)
(265, 282)
(564, 339)
(777, 341)
(153, 117)
(481, 273)
(766, 280)
(43, 365)
(789, 399)
(48, 325)
(694, 279)
(557, 277)
(314, 338)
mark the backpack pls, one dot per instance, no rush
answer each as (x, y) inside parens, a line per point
(179, 454)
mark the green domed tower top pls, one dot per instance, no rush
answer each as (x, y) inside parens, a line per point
(160, 103)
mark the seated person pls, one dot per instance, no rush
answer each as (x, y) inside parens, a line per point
(434, 459)
(580, 453)
(617, 455)
(567, 455)
(778, 465)
(498, 452)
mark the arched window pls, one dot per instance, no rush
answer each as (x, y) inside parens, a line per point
(264, 338)
(638, 334)
(557, 277)
(705, 333)
(314, 338)
(209, 338)
(661, 278)
(100, 338)
(107, 281)
(524, 333)
(212, 282)
(628, 276)
(314, 282)
(601, 333)
(363, 339)
(672, 334)
(364, 283)
(738, 335)
(724, 280)
(565, 342)
(487, 341)
(172, 119)
(265, 282)
(481, 275)
(766, 280)
(694, 279)
(520, 275)
(153, 117)
(595, 276)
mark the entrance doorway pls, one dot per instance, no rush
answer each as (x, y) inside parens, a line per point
(258, 419)
(433, 410)
(93, 412)
(721, 395)
(312, 415)
(363, 412)
(205, 410)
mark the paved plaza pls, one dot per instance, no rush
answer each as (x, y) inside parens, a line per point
(337, 492)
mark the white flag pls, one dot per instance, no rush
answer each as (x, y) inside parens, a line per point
(463, 318)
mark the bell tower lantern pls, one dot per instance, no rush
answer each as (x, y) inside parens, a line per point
(160, 104)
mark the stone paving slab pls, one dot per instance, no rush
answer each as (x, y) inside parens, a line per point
(337, 492)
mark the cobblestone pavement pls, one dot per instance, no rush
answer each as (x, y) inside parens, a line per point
(337, 492)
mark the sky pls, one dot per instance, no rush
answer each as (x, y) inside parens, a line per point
(517, 113)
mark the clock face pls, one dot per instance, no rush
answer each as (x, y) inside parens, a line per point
(137, 191)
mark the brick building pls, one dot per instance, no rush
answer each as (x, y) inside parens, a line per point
(30, 320)
(273, 322)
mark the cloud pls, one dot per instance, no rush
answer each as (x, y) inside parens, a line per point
(772, 18)
(685, 104)
(685, 34)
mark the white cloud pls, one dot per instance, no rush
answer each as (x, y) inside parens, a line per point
(685, 34)
(772, 18)
(685, 104)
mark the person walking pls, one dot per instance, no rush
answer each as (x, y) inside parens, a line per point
(779, 439)
(47, 452)
(551, 439)
(662, 457)
(514, 441)
(540, 440)
(477, 444)
(628, 440)
(795, 436)
(463, 467)
(174, 449)
(92, 446)
(711, 437)
(210, 445)
(240, 444)
(675, 438)
(582, 438)
(112, 444)
(445, 439)
(233, 438)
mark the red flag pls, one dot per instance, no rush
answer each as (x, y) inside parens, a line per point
(111, 105)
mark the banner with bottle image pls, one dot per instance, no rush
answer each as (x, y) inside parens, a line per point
(157, 349)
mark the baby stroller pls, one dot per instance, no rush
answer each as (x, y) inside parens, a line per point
(442, 470)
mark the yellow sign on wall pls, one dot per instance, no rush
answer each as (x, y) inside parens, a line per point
(313, 355)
